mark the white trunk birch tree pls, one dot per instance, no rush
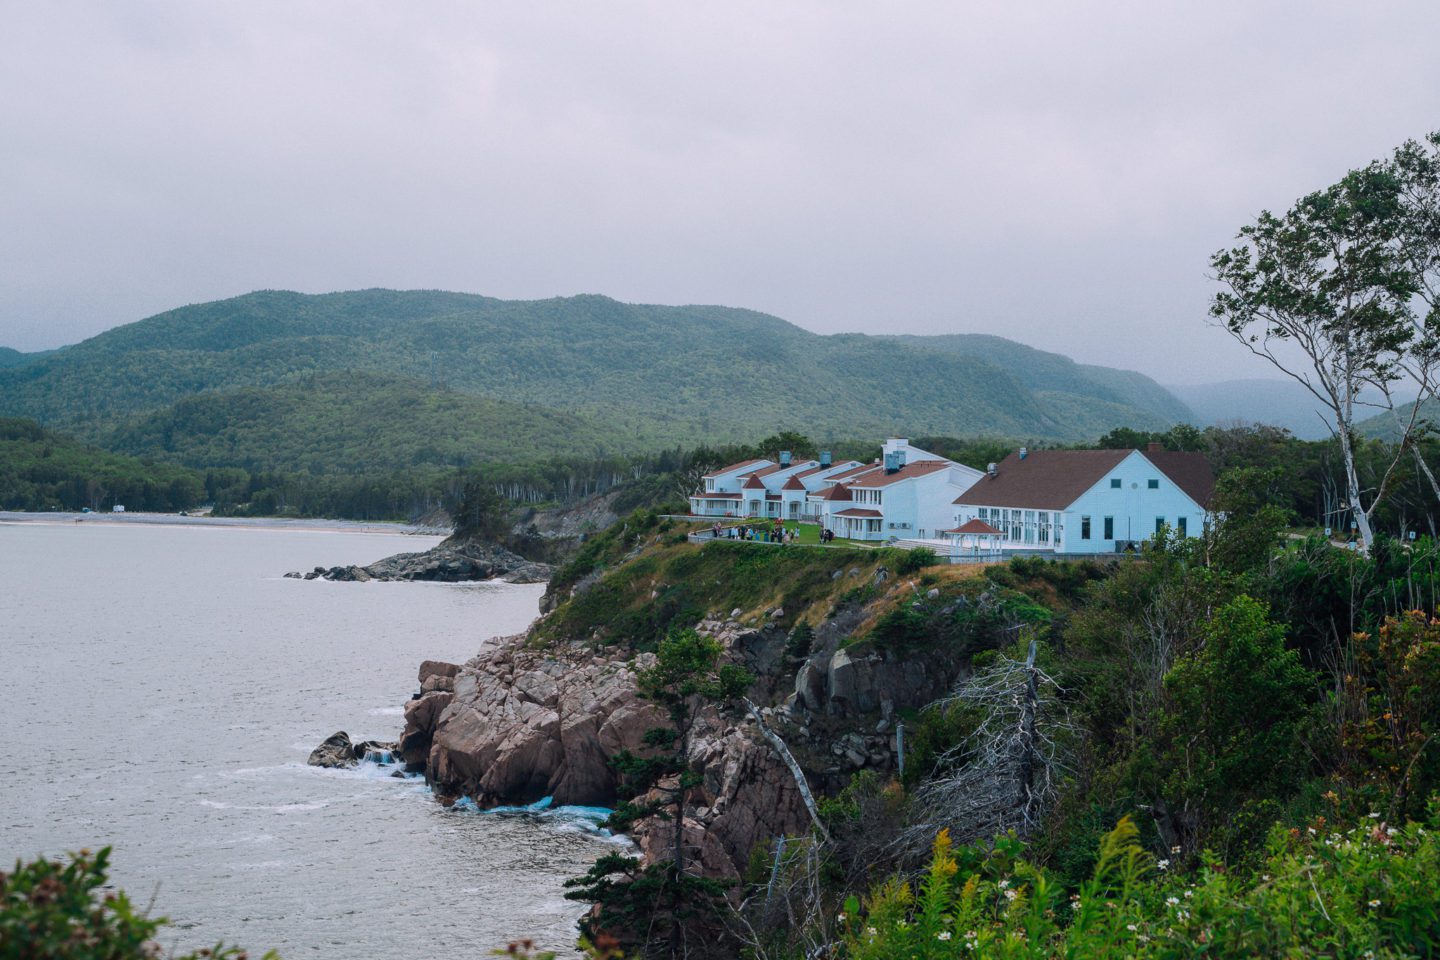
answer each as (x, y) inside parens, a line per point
(1326, 295)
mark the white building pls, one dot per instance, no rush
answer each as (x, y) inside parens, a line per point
(764, 488)
(908, 493)
(1087, 501)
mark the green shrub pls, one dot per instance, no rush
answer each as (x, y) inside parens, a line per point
(56, 911)
(1365, 892)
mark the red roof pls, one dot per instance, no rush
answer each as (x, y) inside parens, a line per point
(732, 468)
(753, 482)
(714, 496)
(1054, 479)
(910, 471)
(859, 512)
(772, 496)
(976, 526)
(837, 492)
(856, 471)
(1190, 472)
(793, 483)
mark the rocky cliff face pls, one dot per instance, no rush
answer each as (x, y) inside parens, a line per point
(515, 724)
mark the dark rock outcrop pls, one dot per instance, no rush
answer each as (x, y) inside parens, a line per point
(449, 562)
(338, 750)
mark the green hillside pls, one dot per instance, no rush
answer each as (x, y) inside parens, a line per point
(43, 470)
(357, 423)
(659, 374)
(1383, 427)
(1072, 392)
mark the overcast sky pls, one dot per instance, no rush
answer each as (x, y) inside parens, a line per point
(1057, 173)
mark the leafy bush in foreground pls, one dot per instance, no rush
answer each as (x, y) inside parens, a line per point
(1365, 892)
(50, 911)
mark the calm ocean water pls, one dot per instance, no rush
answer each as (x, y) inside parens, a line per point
(161, 687)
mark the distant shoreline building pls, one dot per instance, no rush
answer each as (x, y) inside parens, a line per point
(1060, 502)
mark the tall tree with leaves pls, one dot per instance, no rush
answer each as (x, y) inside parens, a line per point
(653, 907)
(1324, 294)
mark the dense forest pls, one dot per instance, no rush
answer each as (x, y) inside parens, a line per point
(43, 470)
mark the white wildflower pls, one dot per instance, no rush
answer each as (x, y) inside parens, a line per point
(1163, 864)
(1173, 901)
(943, 935)
(1175, 850)
(1131, 927)
(1010, 895)
(870, 930)
(1004, 884)
(1374, 816)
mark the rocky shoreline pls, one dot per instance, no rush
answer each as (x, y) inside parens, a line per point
(516, 724)
(447, 562)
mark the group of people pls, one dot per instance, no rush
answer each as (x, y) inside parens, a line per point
(761, 533)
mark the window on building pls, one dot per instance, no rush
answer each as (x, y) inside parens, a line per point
(1084, 528)
(1044, 526)
(1153, 484)
(1180, 525)
(1109, 529)
(1159, 524)
(1114, 483)
(1029, 526)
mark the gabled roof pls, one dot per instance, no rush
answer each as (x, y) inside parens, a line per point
(859, 512)
(910, 471)
(753, 482)
(1190, 472)
(793, 483)
(1054, 479)
(837, 492)
(732, 468)
(976, 527)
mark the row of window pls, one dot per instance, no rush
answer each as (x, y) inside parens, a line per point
(1022, 526)
(1109, 525)
(866, 496)
(1152, 484)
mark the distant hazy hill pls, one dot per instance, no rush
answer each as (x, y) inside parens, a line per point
(1384, 427)
(353, 423)
(1281, 403)
(644, 374)
(14, 358)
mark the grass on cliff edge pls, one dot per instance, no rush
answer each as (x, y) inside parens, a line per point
(642, 577)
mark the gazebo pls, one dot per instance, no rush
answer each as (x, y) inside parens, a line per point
(975, 539)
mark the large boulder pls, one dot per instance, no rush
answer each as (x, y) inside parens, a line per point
(335, 751)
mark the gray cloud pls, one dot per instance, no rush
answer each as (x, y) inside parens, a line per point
(1053, 172)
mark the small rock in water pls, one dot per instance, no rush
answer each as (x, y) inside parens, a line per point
(336, 751)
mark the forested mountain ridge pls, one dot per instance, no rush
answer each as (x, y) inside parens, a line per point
(662, 374)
